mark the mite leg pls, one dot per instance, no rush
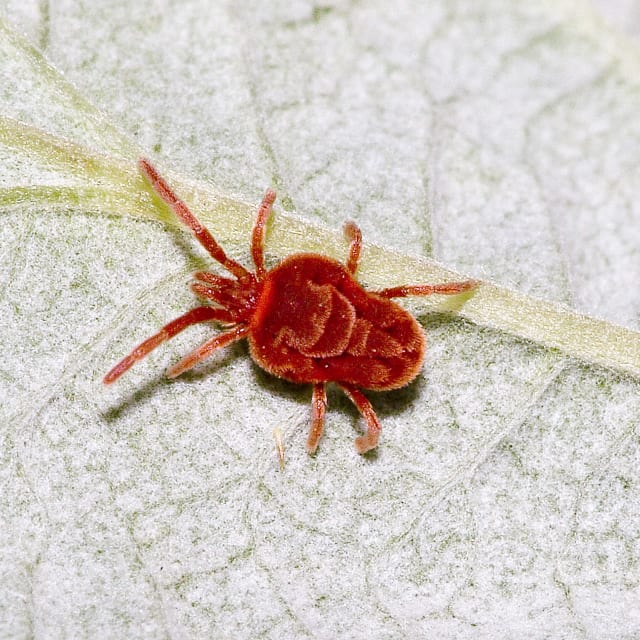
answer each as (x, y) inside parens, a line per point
(199, 314)
(212, 278)
(370, 439)
(354, 235)
(218, 290)
(206, 349)
(318, 407)
(449, 288)
(181, 210)
(257, 236)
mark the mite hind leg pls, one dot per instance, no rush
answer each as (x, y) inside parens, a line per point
(257, 235)
(354, 235)
(318, 408)
(370, 439)
(448, 288)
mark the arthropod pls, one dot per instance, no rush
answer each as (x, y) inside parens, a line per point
(307, 319)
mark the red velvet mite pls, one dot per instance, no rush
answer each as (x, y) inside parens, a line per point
(307, 320)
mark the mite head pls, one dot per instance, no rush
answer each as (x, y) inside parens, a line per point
(239, 297)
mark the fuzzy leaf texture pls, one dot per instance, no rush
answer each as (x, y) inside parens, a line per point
(501, 139)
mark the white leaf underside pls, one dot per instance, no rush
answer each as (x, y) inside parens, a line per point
(500, 139)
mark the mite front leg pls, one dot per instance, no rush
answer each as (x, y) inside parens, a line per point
(370, 439)
(199, 314)
(180, 209)
(318, 408)
(206, 349)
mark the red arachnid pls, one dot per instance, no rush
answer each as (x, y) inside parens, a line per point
(307, 320)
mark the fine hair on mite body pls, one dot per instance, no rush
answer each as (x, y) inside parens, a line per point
(307, 320)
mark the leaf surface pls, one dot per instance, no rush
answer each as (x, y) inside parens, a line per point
(500, 139)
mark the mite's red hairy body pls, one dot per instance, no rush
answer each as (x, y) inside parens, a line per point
(307, 320)
(315, 323)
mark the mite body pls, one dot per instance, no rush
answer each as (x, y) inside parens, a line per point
(315, 323)
(307, 320)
